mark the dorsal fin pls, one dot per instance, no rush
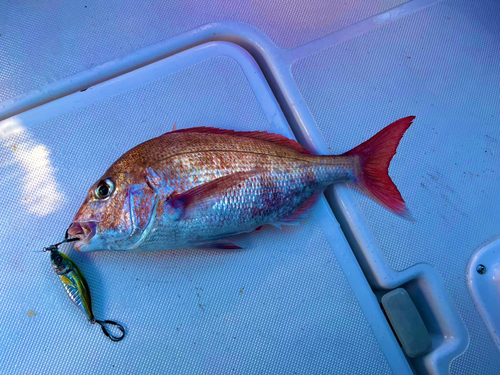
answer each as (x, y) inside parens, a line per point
(264, 136)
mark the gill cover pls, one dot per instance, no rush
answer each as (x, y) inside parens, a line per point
(143, 195)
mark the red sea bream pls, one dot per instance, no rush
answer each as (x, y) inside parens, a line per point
(197, 187)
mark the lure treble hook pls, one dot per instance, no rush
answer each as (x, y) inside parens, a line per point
(107, 333)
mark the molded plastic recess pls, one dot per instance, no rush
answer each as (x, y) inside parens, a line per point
(407, 323)
(483, 279)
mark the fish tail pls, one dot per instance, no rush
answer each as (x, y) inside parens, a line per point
(372, 175)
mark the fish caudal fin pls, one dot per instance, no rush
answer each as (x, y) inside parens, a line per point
(374, 157)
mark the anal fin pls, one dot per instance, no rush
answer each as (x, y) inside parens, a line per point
(219, 245)
(300, 213)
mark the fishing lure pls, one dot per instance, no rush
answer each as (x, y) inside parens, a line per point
(77, 288)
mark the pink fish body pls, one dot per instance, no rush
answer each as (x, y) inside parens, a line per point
(196, 187)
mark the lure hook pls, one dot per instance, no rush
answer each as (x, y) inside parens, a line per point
(107, 333)
(54, 247)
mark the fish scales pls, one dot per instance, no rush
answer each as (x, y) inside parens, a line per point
(288, 176)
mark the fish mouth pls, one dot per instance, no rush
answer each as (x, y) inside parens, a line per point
(84, 231)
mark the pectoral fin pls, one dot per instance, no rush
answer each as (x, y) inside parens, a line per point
(179, 206)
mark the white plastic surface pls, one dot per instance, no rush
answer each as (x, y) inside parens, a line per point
(286, 303)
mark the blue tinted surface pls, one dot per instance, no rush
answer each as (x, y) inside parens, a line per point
(439, 63)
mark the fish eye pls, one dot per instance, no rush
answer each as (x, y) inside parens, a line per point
(104, 189)
(59, 259)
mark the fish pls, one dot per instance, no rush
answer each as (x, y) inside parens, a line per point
(196, 187)
(77, 288)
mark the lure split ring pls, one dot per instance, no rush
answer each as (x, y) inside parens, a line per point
(107, 333)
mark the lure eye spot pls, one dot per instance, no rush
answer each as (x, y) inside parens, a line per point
(104, 189)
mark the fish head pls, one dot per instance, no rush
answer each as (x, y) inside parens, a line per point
(59, 263)
(103, 219)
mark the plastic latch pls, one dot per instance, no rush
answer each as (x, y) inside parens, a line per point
(407, 323)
